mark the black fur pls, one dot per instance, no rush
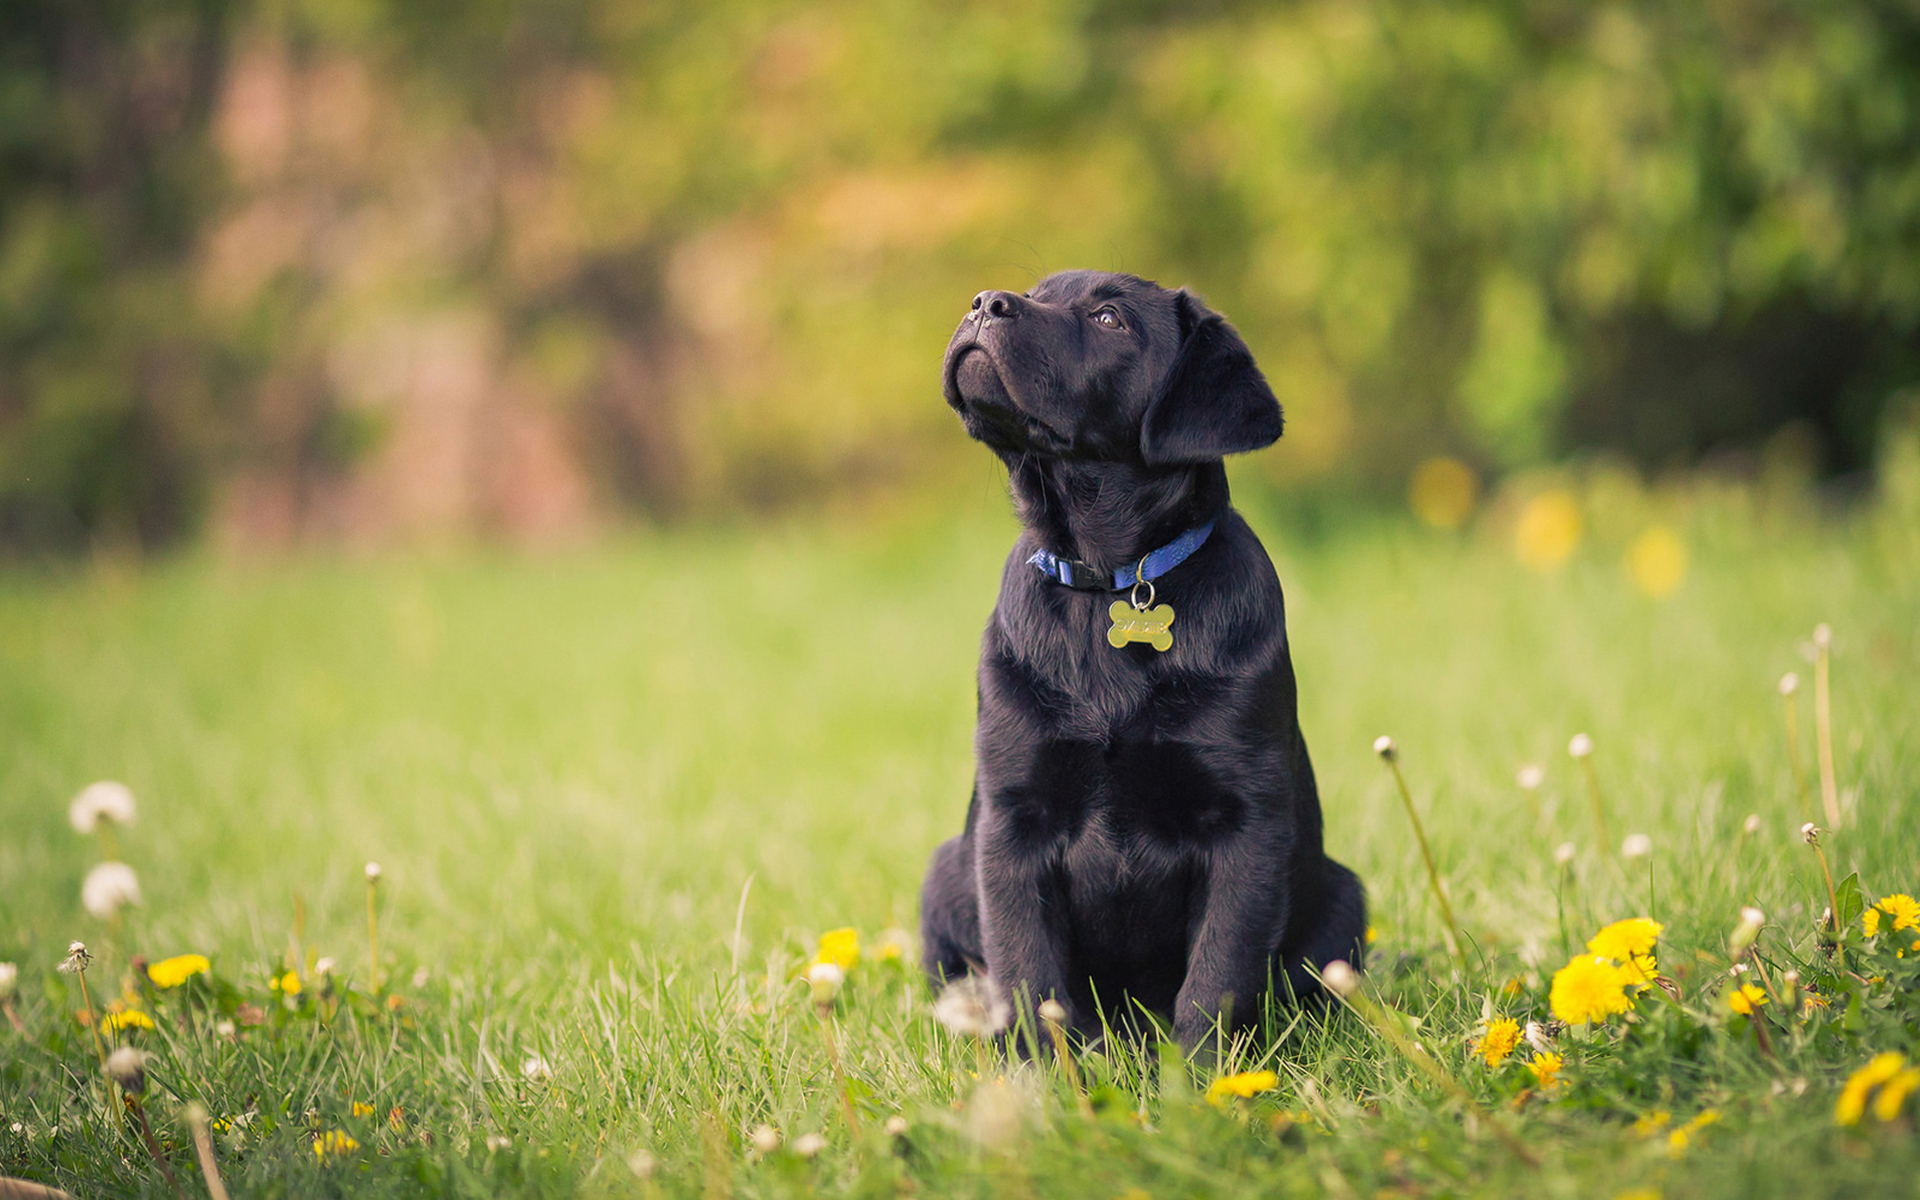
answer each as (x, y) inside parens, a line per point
(1144, 825)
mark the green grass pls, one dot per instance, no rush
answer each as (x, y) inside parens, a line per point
(579, 770)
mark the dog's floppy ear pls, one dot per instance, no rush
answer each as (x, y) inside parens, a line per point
(1216, 401)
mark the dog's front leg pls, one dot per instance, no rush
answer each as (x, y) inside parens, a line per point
(1022, 914)
(1245, 911)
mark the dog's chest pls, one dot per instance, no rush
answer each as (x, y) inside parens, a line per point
(1129, 801)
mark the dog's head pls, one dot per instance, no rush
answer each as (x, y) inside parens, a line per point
(1090, 365)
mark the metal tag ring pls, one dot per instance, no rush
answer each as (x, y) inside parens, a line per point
(1133, 594)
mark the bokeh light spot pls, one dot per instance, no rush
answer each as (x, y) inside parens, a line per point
(1548, 530)
(1657, 561)
(1442, 492)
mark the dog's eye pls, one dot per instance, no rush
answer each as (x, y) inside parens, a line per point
(1107, 317)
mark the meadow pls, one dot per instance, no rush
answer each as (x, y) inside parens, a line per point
(617, 794)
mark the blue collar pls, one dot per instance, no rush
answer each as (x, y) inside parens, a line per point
(1086, 577)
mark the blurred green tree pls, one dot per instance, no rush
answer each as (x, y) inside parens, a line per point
(348, 269)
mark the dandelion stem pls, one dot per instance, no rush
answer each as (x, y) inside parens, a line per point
(93, 1022)
(1454, 941)
(1792, 710)
(1833, 901)
(1064, 1053)
(1823, 727)
(203, 1146)
(839, 1072)
(1375, 1015)
(373, 935)
(153, 1147)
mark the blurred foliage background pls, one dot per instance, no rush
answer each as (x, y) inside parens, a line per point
(294, 271)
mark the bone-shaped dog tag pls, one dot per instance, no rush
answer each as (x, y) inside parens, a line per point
(1147, 625)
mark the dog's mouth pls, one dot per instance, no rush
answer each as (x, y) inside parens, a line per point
(977, 391)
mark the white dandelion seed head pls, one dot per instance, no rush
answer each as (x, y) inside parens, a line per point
(825, 980)
(1789, 684)
(1581, 746)
(1636, 845)
(225, 1028)
(1810, 833)
(1053, 1012)
(1823, 636)
(108, 800)
(996, 1113)
(323, 968)
(9, 981)
(1540, 1035)
(128, 1068)
(536, 1069)
(373, 872)
(973, 1006)
(765, 1139)
(1531, 777)
(1752, 825)
(497, 1143)
(1752, 916)
(896, 1126)
(78, 958)
(1563, 854)
(809, 1144)
(421, 975)
(1340, 977)
(642, 1164)
(1791, 979)
(109, 887)
(1384, 746)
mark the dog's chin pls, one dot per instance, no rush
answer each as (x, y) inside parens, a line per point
(976, 390)
(974, 380)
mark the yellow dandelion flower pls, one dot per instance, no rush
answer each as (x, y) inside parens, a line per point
(1501, 1037)
(334, 1143)
(1372, 933)
(1589, 989)
(1632, 938)
(172, 972)
(1893, 1093)
(1870, 921)
(1545, 1069)
(1745, 999)
(1881, 1069)
(131, 1019)
(362, 1110)
(841, 947)
(1245, 1085)
(1904, 910)
(1638, 971)
(1548, 530)
(288, 984)
(1653, 1122)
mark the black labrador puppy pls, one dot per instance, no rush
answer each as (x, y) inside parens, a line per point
(1144, 823)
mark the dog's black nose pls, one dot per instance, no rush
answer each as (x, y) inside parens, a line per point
(1000, 305)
